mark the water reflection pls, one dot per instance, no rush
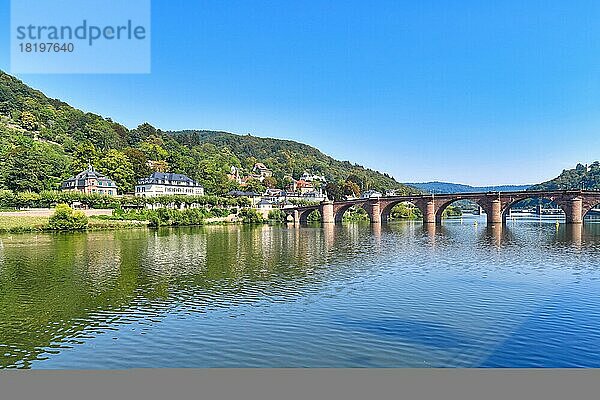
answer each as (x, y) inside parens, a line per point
(495, 235)
(293, 288)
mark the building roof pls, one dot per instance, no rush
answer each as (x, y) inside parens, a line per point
(259, 165)
(239, 193)
(169, 176)
(264, 202)
(90, 172)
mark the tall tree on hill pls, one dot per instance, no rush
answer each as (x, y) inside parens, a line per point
(116, 166)
(139, 162)
(33, 167)
(334, 191)
(84, 155)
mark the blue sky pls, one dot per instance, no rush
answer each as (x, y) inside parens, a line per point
(470, 92)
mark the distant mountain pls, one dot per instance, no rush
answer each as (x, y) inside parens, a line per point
(581, 177)
(447, 187)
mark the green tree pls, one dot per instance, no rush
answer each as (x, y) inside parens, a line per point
(153, 150)
(116, 166)
(334, 191)
(33, 167)
(29, 121)
(254, 185)
(350, 188)
(139, 162)
(251, 216)
(84, 155)
(4, 108)
(270, 182)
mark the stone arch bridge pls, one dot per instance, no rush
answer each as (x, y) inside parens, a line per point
(575, 204)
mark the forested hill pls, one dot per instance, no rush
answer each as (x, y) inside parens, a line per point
(447, 187)
(285, 157)
(43, 141)
(581, 177)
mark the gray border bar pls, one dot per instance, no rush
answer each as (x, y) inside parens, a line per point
(302, 384)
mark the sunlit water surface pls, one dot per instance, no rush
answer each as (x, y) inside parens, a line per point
(356, 295)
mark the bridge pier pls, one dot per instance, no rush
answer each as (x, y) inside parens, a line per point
(429, 213)
(574, 211)
(495, 216)
(326, 210)
(374, 211)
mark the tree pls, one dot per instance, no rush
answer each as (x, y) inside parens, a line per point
(357, 180)
(254, 185)
(4, 108)
(251, 216)
(33, 167)
(29, 121)
(139, 162)
(116, 166)
(334, 191)
(270, 182)
(351, 189)
(65, 219)
(84, 155)
(153, 151)
(141, 133)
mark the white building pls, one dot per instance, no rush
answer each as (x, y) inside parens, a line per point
(312, 177)
(164, 184)
(370, 194)
(265, 204)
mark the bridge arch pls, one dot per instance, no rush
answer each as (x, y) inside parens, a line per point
(591, 210)
(304, 214)
(386, 211)
(338, 212)
(565, 208)
(444, 206)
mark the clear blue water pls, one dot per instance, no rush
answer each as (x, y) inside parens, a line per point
(356, 295)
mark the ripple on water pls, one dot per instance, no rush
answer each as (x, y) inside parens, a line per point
(343, 296)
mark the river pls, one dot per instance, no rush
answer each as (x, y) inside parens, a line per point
(353, 295)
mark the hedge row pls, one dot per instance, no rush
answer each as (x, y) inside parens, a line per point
(47, 199)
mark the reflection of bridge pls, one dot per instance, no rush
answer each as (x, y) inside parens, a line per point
(575, 204)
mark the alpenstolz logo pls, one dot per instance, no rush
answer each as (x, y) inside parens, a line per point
(80, 36)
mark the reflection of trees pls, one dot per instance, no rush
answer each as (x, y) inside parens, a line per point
(56, 289)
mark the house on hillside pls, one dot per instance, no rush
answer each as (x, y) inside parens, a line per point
(261, 170)
(90, 181)
(369, 194)
(264, 204)
(234, 175)
(253, 196)
(162, 184)
(312, 177)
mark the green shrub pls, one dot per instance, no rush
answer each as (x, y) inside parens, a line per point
(65, 219)
(277, 215)
(251, 216)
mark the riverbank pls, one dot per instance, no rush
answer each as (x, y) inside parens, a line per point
(28, 223)
(38, 221)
